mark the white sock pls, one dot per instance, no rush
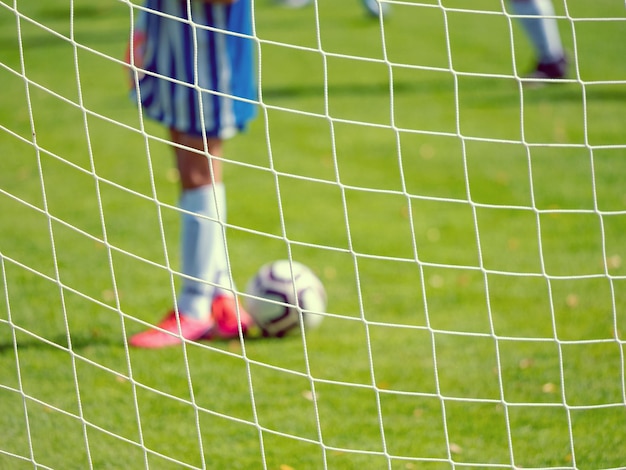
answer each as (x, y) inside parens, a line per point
(542, 32)
(203, 249)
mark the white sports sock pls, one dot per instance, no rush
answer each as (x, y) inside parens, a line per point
(203, 249)
(543, 32)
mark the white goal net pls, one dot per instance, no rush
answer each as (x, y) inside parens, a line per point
(467, 223)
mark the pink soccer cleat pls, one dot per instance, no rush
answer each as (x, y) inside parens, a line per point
(168, 332)
(226, 321)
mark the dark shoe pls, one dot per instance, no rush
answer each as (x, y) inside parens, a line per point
(546, 72)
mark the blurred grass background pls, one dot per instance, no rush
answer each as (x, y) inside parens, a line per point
(469, 234)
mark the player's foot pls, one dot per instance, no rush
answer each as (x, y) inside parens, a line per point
(548, 71)
(169, 333)
(374, 8)
(226, 313)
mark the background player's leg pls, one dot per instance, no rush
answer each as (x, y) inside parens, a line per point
(543, 33)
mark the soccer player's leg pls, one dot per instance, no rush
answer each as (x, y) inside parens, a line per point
(203, 248)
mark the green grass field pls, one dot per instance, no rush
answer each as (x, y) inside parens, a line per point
(470, 234)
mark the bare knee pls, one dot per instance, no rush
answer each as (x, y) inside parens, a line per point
(198, 163)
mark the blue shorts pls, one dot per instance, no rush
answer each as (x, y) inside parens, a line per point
(193, 75)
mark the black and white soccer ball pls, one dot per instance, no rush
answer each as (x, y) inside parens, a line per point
(282, 294)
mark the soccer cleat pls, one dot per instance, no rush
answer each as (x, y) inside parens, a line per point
(224, 312)
(168, 332)
(548, 71)
(374, 7)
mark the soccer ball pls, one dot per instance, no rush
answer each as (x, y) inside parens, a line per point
(277, 305)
